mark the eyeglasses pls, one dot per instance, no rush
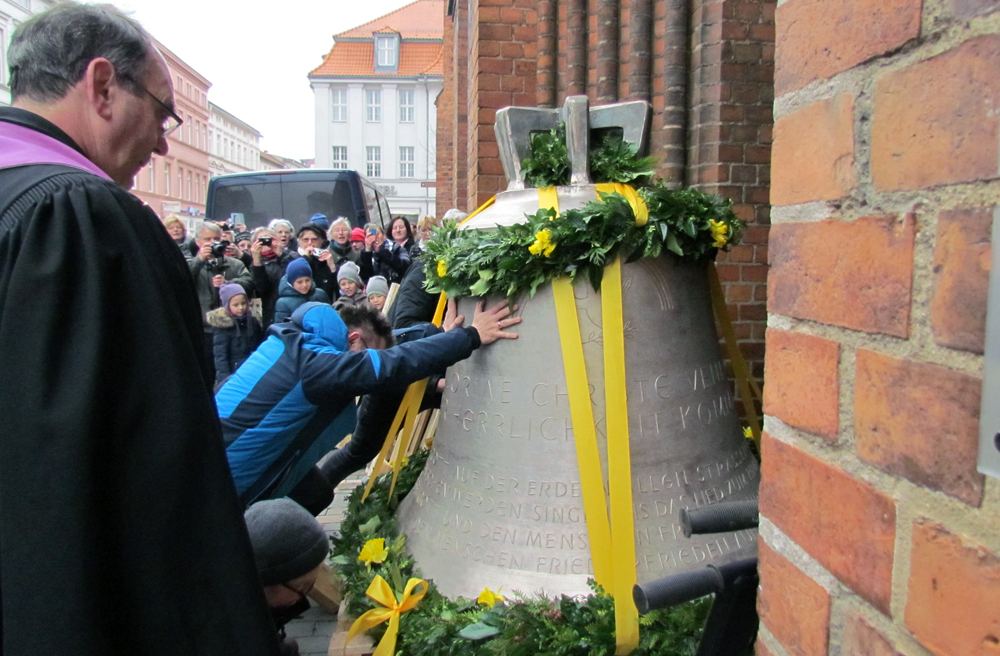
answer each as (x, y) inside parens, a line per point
(301, 593)
(172, 121)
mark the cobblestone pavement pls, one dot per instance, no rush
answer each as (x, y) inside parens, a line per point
(315, 628)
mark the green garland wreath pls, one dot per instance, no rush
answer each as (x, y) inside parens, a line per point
(510, 260)
(518, 626)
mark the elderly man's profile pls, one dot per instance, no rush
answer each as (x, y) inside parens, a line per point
(120, 529)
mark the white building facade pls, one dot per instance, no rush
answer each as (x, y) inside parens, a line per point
(233, 145)
(12, 14)
(374, 105)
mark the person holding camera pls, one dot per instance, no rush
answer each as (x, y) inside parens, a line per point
(211, 268)
(269, 261)
(312, 246)
(382, 257)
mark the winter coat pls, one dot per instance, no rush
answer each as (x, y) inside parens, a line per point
(343, 300)
(292, 401)
(413, 303)
(390, 261)
(208, 294)
(340, 255)
(233, 343)
(266, 279)
(289, 300)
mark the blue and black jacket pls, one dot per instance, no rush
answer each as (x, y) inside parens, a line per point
(292, 401)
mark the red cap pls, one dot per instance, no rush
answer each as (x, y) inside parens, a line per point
(357, 234)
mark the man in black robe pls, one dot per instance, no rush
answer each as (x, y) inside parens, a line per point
(120, 529)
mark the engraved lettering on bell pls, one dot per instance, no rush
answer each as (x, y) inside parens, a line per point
(500, 501)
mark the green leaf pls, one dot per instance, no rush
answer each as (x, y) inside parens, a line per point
(673, 245)
(481, 288)
(478, 631)
(369, 527)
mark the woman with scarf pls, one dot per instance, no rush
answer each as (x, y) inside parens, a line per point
(270, 260)
(338, 252)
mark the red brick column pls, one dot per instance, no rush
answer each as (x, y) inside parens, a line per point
(878, 536)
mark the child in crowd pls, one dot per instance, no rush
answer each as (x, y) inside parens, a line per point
(358, 239)
(296, 288)
(352, 289)
(377, 290)
(236, 331)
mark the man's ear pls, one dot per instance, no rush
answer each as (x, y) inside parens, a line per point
(102, 84)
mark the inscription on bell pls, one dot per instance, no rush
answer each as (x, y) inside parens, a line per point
(501, 499)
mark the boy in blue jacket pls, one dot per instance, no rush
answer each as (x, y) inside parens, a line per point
(293, 400)
(297, 288)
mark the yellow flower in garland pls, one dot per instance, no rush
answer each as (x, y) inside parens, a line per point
(720, 233)
(543, 244)
(489, 598)
(442, 269)
(374, 551)
(747, 433)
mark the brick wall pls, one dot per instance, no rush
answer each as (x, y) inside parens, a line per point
(878, 536)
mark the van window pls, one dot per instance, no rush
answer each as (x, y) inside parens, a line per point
(371, 202)
(295, 198)
(383, 205)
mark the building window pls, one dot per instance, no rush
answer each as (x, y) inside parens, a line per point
(338, 110)
(166, 179)
(374, 161)
(190, 196)
(152, 175)
(386, 46)
(406, 107)
(218, 144)
(373, 105)
(406, 161)
(339, 158)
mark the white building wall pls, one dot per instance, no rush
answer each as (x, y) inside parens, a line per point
(406, 196)
(234, 146)
(12, 14)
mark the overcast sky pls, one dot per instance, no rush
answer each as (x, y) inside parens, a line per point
(257, 55)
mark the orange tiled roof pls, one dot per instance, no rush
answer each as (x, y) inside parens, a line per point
(357, 59)
(423, 19)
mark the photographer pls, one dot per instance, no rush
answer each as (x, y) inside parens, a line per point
(312, 246)
(211, 269)
(268, 265)
(382, 257)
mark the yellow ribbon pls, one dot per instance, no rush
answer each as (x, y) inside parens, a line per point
(619, 460)
(614, 559)
(390, 438)
(380, 591)
(741, 370)
(639, 209)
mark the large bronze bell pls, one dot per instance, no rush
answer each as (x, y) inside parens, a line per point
(499, 503)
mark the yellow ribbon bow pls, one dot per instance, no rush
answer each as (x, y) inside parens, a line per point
(380, 591)
(638, 205)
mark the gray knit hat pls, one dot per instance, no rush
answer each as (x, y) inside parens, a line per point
(350, 271)
(287, 541)
(377, 285)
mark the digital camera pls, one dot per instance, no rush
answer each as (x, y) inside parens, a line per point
(219, 248)
(265, 241)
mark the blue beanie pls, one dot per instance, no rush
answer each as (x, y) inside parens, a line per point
(320, 220)
(298, 268)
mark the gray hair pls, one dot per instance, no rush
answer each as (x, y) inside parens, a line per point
(370, 226)
(454, 214)
(257, 231)
(50, 52)
(208, 225)
(339, 220)
(280, 222)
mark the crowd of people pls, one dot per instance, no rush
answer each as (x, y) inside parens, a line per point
(279, 268)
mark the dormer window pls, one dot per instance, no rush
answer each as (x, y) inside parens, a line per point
(386, 52)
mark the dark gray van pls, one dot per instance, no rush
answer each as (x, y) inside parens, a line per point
(295, 195)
